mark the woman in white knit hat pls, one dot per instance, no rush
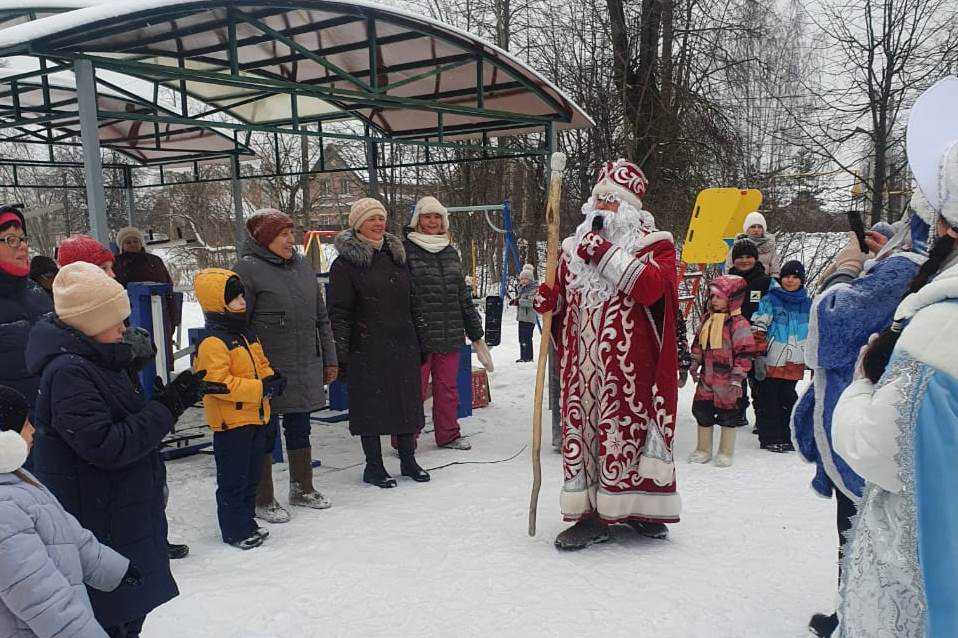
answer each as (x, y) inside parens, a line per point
(378, 329)
(755, 228)
(97, 440)
(449, 313)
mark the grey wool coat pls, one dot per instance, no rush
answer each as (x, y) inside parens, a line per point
(378, 328)
(47, 560)
(286, 308)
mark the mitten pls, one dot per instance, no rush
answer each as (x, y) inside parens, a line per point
(760, 366)
(132, 577)
(592, 247)
(180, 393)
(546, 298)
(144, 350)
(274, 385)
(483, 354)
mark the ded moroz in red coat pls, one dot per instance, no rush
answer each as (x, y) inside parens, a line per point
(619, 375)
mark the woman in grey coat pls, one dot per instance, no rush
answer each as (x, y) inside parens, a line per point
(47, 559)
(285, 306)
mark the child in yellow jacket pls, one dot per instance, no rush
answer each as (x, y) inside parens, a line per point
(233, 356)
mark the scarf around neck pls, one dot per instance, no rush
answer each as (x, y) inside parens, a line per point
(376, 244)
(430, 243)
(710, 336)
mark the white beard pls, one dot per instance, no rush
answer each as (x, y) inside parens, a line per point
(625, 229)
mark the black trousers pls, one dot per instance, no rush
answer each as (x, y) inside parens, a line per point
(239, 463)
(129, 629)
(845, 509)
(525, 340)
(773, 409)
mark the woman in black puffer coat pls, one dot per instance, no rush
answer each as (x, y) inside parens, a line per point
(378, 328)
(448, 311)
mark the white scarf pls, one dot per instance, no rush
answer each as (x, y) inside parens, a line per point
(431, 243)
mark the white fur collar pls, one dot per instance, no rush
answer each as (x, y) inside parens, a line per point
(569, 247)
(941, 288)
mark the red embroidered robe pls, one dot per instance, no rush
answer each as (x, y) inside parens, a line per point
(618, 372)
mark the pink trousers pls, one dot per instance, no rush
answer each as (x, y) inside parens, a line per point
(442, 368)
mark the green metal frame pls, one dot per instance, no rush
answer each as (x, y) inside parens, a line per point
(365, 97)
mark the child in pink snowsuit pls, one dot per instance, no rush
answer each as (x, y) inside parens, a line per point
(721, 357)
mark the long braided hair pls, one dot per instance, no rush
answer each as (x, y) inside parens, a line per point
(879, 354)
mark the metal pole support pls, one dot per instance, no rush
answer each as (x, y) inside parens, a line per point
(89, 137)
(236, 185)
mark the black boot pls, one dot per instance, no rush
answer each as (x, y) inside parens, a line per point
(658, 531)
(822, 625)
(375, 473)
(177, 551)
(407, 459)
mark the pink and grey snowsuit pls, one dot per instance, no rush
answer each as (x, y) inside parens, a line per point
(724, 366)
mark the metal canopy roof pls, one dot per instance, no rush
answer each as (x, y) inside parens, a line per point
(287, 63)
(34, 101)
(18, 11)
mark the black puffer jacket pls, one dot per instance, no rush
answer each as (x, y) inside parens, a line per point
(22, 303)
(758, 286)
(444, 298)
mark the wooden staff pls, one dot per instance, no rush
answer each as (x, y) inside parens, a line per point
(557, 165)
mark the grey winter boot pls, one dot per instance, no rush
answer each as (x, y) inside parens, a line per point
(267, 509)
(585, 532)
(301, 490)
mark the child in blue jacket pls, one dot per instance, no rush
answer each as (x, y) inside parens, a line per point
(781, 328)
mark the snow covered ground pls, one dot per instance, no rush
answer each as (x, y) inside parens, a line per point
(754, 554)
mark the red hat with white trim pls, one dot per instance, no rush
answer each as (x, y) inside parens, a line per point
(624, 179)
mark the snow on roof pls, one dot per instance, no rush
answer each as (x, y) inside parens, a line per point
(404, 37)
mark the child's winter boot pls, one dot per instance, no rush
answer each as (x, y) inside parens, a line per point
(703, 452)
(726, 448)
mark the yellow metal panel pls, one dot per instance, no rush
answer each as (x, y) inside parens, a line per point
(718, 214)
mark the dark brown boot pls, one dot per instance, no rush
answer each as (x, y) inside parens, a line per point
(267, 509)
(301, 490)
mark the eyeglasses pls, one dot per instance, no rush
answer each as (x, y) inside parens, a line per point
(14, 241)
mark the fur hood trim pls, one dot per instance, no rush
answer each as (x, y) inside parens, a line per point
(360, 253)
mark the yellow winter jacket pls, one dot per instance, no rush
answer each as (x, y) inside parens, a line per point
(230, 355)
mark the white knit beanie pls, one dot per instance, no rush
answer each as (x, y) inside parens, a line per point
(129, 231)
(86, 298)
(363, 209)
(754, 219)
(527, 271)
(13, 451)
(430, 204)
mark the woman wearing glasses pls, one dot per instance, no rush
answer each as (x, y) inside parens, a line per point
(21, 303)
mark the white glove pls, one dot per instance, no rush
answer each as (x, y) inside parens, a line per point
(485, 357)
